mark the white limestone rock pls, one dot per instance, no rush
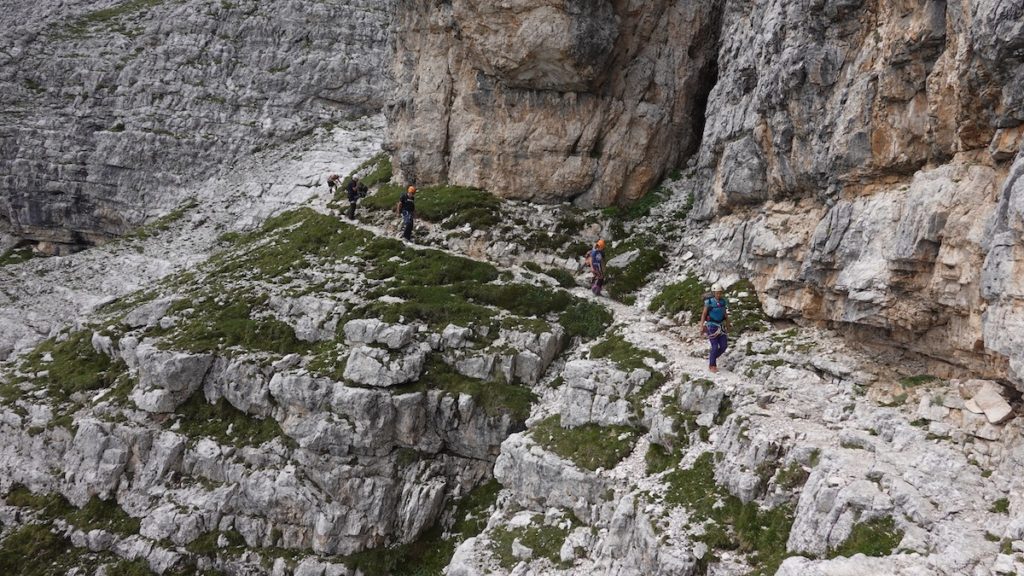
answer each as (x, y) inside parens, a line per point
(148, 314)
(597, 392)
(373, 331)
(167, 378)
(379, 368)
(313, 318)
(454, 337)
(989, 399)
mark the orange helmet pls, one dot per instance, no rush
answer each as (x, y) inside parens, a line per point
(412, 189)
(600, 244)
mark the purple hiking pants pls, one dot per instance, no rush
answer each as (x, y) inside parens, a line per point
(718, 346)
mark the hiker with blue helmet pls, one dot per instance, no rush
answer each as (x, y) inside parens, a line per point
(714, 323)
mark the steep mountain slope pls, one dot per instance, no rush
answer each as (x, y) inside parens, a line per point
(318, 398)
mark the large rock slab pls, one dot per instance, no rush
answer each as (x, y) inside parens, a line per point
(167, 378)
(380, 369)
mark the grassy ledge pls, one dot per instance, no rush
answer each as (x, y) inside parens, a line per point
(729, 524)
(589, 446)
(450, 206)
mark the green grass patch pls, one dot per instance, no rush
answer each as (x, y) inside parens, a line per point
(206, 545)
(792, 476)
(585, 319)
(49, 506)
(454, 206)
(436, 306)
(103, 515)
(731, 524)
(226, 321)
(628, 280)
(589, 446)
(424, 267)
(660, 459)
(95, 515)
(629, 357)
(17, 256)
(35, 550)
(73, 370)
(640, 208)
(544, 541)
(745, 313)
(496, 398)
(625, 354)
(106, 17)
(521, 299)
(376, 170)
(288, 242)
(914, 381)
(1001, 506)
(164, 223)
(525, 325)
(687, 295)
(224, 423)
(877, 537)
(564, 278)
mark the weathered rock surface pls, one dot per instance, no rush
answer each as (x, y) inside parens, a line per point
(598, 100)
(112, 107)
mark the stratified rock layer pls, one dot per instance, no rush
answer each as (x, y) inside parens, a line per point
(110, 107)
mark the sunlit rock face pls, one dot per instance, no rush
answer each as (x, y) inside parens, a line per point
(550, 100)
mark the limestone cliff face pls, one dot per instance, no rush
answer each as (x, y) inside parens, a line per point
(110, 108)
(856, 159)
(547, 99)
(849, 156)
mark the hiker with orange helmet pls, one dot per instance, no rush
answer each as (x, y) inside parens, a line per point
(407, 208)
(595, 259)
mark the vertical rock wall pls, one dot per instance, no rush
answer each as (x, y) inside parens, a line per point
(855, 164)
(110, 107)
(548, 100)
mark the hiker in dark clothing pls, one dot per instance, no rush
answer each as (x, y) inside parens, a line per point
(352, 190)
(714, 322)
(407, 208)
(595, 259)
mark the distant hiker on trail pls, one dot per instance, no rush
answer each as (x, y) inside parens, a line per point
(407, 208)
(333, 181)
(595, 260)
(714, 322)
(352, 190)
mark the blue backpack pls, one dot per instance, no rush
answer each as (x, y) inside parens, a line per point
(716, 309)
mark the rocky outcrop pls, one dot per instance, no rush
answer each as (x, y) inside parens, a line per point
(855, 165)
(111, 108)
(550, 100)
